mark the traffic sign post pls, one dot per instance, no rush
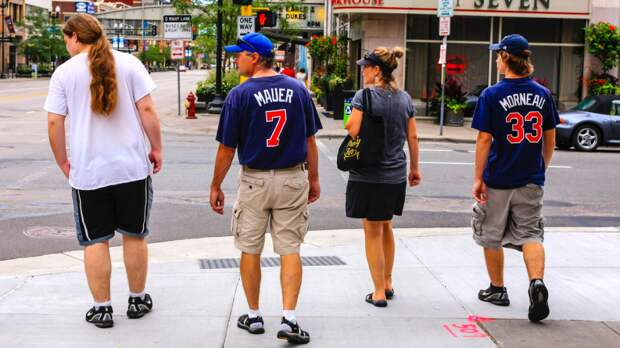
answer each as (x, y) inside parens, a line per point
(445, 10)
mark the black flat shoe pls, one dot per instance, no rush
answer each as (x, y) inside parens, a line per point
(378, 303)
(389, 294)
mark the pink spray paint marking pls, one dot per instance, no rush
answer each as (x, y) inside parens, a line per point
(468, 330)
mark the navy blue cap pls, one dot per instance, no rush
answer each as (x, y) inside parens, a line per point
(254, 43)
(513, 44)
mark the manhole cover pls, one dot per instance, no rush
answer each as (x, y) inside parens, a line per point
(47, 232)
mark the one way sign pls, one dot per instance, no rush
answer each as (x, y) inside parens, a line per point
(245, 25)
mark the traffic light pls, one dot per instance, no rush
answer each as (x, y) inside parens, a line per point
(154, 30)
(242, 2)
(266, 19)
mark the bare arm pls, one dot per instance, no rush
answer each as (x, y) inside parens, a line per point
(150, 123)
(483, 147)
(548, 146)
(414, 153)
(313, 170)
(56, 134)
(223, 161)
(354, 124)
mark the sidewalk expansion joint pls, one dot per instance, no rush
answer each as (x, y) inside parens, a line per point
(15, 288)
(229, 317)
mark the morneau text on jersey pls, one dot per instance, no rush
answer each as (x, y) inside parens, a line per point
(522, 99)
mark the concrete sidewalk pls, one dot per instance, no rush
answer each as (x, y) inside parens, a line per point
(437, 275)
(427, 129)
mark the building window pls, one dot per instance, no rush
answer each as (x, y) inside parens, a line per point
(557, 45)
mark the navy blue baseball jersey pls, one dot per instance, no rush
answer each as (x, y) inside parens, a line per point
(516, 112)
(268, 120)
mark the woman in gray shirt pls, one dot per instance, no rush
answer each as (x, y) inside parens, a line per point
(377, 193)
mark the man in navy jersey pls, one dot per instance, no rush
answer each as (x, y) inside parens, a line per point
(271, 121)
(516, 120)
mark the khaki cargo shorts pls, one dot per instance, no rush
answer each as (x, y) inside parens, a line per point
(510, 218)
(277, 199)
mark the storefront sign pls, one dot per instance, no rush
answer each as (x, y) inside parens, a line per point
(444, 26)
(456, 64)
(81, 7)
(304, 17)
(506, 8)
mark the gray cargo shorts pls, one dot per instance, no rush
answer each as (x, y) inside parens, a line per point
(510, 218)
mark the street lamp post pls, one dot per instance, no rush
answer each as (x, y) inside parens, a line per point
(218, 102)
(3, 5)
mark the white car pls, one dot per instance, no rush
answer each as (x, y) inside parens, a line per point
(182, 68)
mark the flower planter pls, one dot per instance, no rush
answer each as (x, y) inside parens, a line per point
(454, 119)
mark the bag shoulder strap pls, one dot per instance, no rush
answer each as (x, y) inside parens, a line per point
(368, 100)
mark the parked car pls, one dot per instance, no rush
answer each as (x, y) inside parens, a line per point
(593, 122)
(182, 68)
(471, 99)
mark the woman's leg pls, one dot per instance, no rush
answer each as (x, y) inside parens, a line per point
(389, 249)
(373, 231)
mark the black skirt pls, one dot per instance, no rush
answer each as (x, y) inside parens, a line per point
(375, 202)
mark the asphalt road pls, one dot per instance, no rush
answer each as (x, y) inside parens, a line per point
(36, 209)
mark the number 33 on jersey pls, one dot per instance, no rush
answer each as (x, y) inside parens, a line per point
(516, 112)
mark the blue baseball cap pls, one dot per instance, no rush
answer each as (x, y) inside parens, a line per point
(513, 44)
(254, 43)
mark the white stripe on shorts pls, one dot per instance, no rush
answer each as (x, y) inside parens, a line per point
(82, 215)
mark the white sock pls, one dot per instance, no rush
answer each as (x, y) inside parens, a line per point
(289, 315)
(137, 294)
(102, 304)
(254, 313)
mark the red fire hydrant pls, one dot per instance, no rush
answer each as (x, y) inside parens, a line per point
(190, 104)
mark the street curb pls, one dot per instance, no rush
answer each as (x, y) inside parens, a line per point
(185, 250)
(328, 136)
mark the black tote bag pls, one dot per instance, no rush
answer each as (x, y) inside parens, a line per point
(367, 150)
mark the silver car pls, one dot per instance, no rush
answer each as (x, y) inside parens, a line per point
(593, 122)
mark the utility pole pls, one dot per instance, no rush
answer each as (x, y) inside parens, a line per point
(215, 107)
(3, 5)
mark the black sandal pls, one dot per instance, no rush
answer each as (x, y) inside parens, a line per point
(389, 294)
(378, 303)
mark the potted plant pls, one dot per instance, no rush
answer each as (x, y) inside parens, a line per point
(455, 102)
(603, 42)
(205, 90)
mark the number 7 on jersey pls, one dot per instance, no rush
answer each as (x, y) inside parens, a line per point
(270, 116)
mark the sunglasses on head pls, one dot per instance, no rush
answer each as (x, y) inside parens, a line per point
(242, 41)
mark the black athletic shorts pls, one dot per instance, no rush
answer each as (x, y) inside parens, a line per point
(123, 208)
(375, 202)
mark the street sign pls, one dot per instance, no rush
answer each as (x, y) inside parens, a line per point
(245, 25)
(444, 26)
(176, 53)
(178, 27)
(6, 39)
(442, 53)
(445, 8)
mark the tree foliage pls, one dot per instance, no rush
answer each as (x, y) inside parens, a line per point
(44, 41)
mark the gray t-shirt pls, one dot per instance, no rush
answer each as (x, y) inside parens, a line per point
(396, 108)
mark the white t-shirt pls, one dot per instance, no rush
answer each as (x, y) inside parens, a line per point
(103, 150)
